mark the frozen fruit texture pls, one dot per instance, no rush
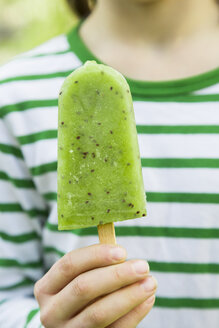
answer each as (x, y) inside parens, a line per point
(99, 167)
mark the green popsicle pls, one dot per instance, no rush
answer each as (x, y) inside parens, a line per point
(99, 167)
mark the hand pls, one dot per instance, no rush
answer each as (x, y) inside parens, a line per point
(93, 287)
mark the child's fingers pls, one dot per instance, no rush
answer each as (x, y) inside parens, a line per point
(95, 283)
(73, 264)
(114, 306)
(134, 317)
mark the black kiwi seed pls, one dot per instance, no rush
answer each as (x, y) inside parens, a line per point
(97, 145)
(143, 214)
(108, 210)
(89, 193)
(87, 201)
(78, 137)
(128, 164)
(60, 93)
(99, 123)
(93, 155)
(62, 123)
(92, 170)
(137, 212)
(62, 215)
(92, 218)
(76, 81)
(69, 181)
(107, 192)
(111, 131)
(111, 88)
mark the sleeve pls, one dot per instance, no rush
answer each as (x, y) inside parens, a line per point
(22, 213)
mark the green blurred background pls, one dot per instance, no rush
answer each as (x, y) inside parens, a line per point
(25, 24)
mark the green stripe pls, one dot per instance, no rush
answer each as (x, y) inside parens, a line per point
(178, 99)
(34, 137)
(23, 238)
(23, 283)
(36, 77)
(8, 149)
(12, 263)
(55, 53)
(171, 267)
(30, 104)
(177, 129)
(50, 249)
(16, 207)
(169, 197)
(180, 162)
(30, 316)
(211, 303)
(3, 301)
(141, 129)
(44, 168)
(134, 231)
(20, 183)
(50, 196)
(195, 268)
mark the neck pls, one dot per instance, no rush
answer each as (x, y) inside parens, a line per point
(155, 21)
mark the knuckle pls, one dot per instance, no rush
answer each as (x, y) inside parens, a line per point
(96, 317)
(80, 287)
(101, 253)
(37, 289)
(117, 273)
(48, 315)
(44, 318)
(65, 266)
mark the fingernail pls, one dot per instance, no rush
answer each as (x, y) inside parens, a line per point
(149, 284)
(118, 253)
(141, 267)
(150, 299)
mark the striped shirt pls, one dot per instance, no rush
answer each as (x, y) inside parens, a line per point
(178, 133)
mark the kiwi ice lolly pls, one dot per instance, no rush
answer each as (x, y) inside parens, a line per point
(99, 168)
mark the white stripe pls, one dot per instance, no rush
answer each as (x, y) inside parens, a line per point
(16, 92)
(25, 252)
(157, 113)
(33, 120)
(181, 180)
(14, 167)
(6, 137)
(40, 65)
(178, 215)
(56, 44)
(46, 182)
(179, 146)
(155, 249)
(180, 318)
(213, 89)
(167, 215)
(17, 274)
(35, 153)
(187, 285)
(28, 198)
(19, 223)
(21, 307)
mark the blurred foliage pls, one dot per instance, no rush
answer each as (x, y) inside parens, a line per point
(25, 24)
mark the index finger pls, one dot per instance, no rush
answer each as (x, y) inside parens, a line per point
(78, 261)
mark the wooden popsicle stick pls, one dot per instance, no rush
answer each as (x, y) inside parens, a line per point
(106, 233)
